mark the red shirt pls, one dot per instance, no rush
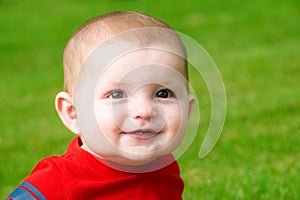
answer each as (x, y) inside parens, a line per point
(79, 175)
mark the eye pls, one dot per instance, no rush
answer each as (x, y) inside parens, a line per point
(165, 93)
(117, 94)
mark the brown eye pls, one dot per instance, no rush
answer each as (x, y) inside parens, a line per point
(165, 93)
(117, 94)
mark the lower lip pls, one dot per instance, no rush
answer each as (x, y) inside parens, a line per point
(141, 136)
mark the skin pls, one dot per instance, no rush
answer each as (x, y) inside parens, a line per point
(141, 106)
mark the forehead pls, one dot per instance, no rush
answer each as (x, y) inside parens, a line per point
(145, 61)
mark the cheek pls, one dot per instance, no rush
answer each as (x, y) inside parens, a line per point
(105, 118)
(173, 117)
(177, 118)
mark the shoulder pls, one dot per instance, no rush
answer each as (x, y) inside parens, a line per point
(49, 178)
(47, 168)
(44, 182)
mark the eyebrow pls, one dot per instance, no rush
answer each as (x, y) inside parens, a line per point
(112, 84)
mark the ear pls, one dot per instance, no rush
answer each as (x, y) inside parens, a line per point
(66, 111)
(192, 100)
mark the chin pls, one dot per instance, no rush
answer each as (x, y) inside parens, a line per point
(138, 159)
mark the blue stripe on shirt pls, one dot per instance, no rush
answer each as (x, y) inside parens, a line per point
(22, 192)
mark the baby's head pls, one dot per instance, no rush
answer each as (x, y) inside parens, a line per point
(141, 100)
(100, 29)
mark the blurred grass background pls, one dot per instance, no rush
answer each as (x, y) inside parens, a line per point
(255, 44)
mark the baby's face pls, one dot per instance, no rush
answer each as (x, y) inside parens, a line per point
(141, 105)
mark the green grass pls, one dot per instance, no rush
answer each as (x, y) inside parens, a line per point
(255, 44)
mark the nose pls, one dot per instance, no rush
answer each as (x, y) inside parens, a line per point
(141, 108)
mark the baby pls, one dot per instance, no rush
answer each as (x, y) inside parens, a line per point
(126, 97)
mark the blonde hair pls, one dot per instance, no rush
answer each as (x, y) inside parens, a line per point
(100, 29)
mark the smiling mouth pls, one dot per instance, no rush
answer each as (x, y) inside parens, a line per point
(142, 134)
